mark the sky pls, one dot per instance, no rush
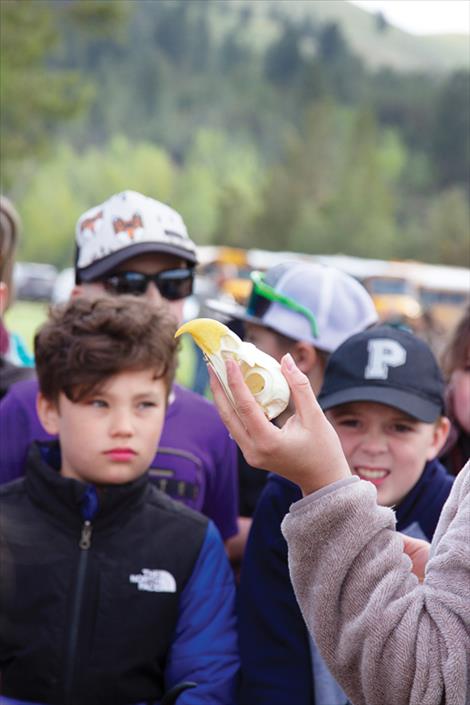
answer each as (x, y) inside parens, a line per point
(423, 16)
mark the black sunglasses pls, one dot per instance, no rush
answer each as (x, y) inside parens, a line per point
(173, 284)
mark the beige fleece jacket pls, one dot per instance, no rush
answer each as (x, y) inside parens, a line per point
(386, 638)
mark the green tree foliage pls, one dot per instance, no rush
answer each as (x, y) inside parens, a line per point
(335, 190)
(343, 69)
(218, 177)
(363, 204)
(450, 143)
(35, 98)
(265, 129)
(448, 228)
(32, 96)
(283, 59)
(70, 182)
(438, 230)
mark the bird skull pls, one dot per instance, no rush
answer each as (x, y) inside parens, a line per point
(261, 372)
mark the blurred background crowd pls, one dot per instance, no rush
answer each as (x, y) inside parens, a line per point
(313, 128)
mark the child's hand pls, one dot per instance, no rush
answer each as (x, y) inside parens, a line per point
(306, 450)
(418, 551)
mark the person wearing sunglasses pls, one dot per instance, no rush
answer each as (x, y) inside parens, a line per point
(132, 244)
(307, 310)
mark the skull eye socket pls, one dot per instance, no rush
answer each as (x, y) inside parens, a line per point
(255, 382)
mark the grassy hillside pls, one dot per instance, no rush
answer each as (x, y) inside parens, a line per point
(390, 47)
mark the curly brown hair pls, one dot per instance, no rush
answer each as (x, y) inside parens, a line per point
(456, 353)
(86, 341)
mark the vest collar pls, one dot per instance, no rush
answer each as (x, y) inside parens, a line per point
(66, 498)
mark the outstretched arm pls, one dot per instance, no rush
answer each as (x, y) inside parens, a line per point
(386, 638)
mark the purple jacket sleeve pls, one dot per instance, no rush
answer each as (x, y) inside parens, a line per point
(19, 427)
(193, 424)
(221, 502)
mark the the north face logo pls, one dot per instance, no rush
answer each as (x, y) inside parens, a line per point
(154, 581)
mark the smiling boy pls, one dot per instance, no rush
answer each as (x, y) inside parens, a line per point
(384, 394)
(111, 592)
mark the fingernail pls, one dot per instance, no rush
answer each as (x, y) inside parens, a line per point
(289, 361)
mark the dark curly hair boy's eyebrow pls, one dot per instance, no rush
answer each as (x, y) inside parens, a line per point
(86, 341)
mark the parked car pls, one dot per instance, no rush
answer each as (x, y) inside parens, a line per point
(34, 281)
(63, 285)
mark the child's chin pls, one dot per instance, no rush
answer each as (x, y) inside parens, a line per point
(118, 476)
(388, 499)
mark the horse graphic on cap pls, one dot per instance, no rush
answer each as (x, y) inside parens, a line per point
(87, 226)
(128, 227)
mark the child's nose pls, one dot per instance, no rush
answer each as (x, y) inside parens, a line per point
(121, 423)
(374, 442)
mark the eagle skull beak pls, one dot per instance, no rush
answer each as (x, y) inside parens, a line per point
(261, 372)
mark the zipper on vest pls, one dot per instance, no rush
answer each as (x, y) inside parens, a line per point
(84, 544)
(85, 538)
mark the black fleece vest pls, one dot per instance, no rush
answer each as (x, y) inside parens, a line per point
(90, 624)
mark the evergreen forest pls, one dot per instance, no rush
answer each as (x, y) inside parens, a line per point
(266, 123)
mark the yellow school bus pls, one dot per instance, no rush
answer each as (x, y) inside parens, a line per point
(394, 297)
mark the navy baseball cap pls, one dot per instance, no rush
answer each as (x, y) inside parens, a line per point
(388, 366)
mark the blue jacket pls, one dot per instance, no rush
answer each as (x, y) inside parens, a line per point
(275, 649)
(113, 597)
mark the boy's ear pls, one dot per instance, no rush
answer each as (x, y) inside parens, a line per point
(305, 356)
(48, 412)
(441, 431)
(87, 289)
(76, 291)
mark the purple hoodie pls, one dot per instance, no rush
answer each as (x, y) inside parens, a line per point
(196, 461)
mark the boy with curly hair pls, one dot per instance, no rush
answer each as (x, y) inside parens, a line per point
(111, 591)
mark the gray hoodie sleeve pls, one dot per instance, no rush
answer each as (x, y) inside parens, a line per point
(387, 639)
